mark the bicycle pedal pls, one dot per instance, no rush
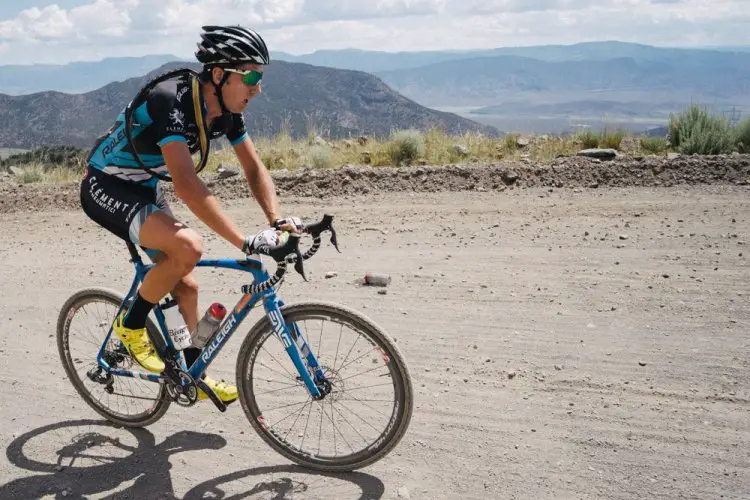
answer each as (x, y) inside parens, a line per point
(211, 395)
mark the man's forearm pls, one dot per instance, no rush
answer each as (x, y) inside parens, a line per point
(204, 205)
(264, 191)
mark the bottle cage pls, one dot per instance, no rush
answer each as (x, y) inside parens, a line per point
(199, 118)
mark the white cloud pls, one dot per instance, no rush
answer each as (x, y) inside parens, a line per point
(348, 9)
(102, 17)
(48, 33)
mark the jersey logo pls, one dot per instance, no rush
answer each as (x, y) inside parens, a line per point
(178, 117)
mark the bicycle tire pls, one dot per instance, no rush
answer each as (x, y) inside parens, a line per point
(394, 431)
(67, 313)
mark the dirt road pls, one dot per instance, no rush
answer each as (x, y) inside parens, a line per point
(568, 344)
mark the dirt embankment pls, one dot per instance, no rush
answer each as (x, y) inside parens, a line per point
(570, 172)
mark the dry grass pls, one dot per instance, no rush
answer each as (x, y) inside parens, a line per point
(433, 147)
(402, 147)
(38, 173)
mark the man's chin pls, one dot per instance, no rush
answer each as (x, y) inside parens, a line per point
(241, 106)
(237, 108)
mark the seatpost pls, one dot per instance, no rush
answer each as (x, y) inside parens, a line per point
(134, 256)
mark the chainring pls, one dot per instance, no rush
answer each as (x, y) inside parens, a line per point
(185, 394)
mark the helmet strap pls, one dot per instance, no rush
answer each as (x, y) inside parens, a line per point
(224, 77)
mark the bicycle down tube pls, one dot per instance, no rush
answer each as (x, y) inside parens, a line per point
(293, 341)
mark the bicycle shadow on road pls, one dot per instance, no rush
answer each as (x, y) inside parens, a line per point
(79, 458)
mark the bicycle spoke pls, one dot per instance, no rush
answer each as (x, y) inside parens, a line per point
(320, 431)
(285, 406)
(348, 353)
(363, 373)
(352, 426)
(355, 360)
(278, 372)
(285, 388)
(370, 407)
(360, 417)
(279, 363)
(320, 340)
(335, 452)
(365, 387)
(372, 400)
(336, 357)
(304, 433)
(334, 428)
(295, 420)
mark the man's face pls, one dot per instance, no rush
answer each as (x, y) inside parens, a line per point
(237, 92)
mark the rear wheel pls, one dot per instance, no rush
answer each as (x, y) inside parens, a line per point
(370, 404)
(83, 324)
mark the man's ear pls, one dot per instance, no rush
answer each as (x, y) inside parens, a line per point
(216, 75)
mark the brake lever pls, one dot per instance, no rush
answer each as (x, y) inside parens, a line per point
(324, 225)
(298, 265)
(333, 239)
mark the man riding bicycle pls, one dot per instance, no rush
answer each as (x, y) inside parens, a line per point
(120, 190)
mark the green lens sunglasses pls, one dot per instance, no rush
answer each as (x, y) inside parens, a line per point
(249, 77)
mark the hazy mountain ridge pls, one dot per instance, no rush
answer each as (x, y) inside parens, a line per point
(76, 77)
(336, 102)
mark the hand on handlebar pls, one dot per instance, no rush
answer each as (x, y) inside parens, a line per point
(278, 245)
(262, 242)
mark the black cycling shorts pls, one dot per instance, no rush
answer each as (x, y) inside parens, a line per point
(120, 206)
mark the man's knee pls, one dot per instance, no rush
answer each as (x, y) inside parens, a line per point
(188, 251)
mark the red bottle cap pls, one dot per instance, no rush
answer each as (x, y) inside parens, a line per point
(218, 311)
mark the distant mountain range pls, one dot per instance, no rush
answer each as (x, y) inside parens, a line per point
(378, 61)
(76, 77)
(689, 75)
(630, 81)
(336, 102)
(87, 76)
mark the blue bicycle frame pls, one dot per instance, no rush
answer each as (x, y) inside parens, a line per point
(294, 342)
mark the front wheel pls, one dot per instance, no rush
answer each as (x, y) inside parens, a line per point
(370, 404)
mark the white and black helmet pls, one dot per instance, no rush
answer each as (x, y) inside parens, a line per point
(231, 45)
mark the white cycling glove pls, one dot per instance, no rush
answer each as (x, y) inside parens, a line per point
(261, 242)
(293, 224)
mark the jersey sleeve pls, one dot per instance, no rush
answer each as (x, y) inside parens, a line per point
(237, 131)
(168, 115)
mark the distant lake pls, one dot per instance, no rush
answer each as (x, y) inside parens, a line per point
(554, 125)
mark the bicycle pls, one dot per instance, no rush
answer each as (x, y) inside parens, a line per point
(314, 383)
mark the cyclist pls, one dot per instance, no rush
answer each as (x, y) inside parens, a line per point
(120, 190)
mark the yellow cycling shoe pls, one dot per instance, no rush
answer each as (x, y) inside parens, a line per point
(226, 392)
(139, 346)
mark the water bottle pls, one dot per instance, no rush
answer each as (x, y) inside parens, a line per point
(208, 324)
(176, 327)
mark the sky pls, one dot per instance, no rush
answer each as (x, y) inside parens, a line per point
(38, 31)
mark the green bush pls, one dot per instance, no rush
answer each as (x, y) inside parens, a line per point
(589, 139)
(696, 131)
(611, 138)
(321, 157)
(65, 156)
(653, 145)
(406, 146)
(511, 142)
(742, 136)
(32, 173)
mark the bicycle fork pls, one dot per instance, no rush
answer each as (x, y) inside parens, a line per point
(310, 371)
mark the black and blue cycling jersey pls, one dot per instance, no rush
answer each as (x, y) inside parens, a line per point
(166, 114)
